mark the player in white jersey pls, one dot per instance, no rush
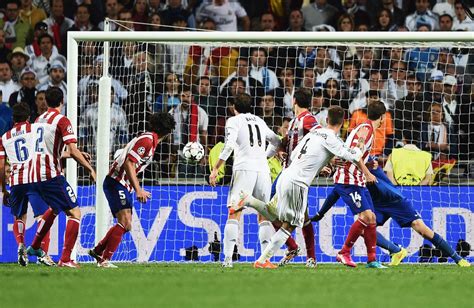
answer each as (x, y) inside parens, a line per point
(54, 134)
(18, 145)
(288, 206)
(122, 181)
(246, 135)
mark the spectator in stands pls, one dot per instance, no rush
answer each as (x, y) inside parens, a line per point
(57, 74)
(324, 67)
(369, 58)
(82, 22)
(155, 21)
(191, 126)
(332, 95)
(409, 111)
(383, 133)
(140, 14)
(34, 50)
(422, 15)
(384, 21)
(267, 22)
(42, 63)
(397, 13)
(453, 111)
(18, 60)
(7, 84)
(267, 112)
(27, 92)
(43, 4)
(445, 22)
(126, 21)
(111, 11)
(462, 21)
(296, 21)
(345, 23)
(30, 13)
(6, 116)
(308, 79)
(175, 11)
(18, 32)
(444, 8)
(284, 93)
(318, 107)
(434, 87)
(156, 6)
(363, 27)
(58, 24)
(118, 124)
(353, 88)
(385, 87)
(4, 50)
(225, 14)
(40, 102)
(422, 60)
(170, 98)
(357, 13)
(208, 101)
(398, 75)
(409, 165)
(259, 70)
(317, 13)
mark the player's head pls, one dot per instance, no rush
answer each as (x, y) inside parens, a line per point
(21, 112)
(303, 98)
(243, 103)
(376, 113)
(161, 123)
(54, 97)
(335, 116)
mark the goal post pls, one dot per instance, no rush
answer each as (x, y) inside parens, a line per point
(186, 192)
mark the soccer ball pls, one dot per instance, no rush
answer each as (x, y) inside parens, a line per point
(193, 151)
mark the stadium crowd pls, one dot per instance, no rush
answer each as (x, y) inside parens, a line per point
(428, 91)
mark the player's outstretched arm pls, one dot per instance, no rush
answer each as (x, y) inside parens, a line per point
(331, 199)
(337, 147)
(142, 195)
(77, 155)
(215, 172)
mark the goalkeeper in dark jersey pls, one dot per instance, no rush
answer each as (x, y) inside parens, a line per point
(390, 203)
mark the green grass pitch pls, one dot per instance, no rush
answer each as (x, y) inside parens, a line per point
(209, 285)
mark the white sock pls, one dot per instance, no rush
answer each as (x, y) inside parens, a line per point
(278, 239)
(231, 231)
(265, 233)
(261, 207)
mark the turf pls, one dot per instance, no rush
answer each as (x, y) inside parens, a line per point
(208, 285)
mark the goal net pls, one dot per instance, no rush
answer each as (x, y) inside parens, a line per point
(424, 80)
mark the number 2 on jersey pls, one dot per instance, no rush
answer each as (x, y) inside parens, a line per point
(40, 132)
(259, 136)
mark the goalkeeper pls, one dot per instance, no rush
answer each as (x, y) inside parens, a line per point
(390, 203)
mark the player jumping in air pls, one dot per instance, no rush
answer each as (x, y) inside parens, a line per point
(53, 135)
(389, 202)
(246, 135)
(17, 145)
(289, 204)
(350, 183)
(122, 181)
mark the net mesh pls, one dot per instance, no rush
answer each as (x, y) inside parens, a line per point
(426, 87)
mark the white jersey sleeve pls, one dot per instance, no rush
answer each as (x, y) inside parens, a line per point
(337, 147)
(231, 133)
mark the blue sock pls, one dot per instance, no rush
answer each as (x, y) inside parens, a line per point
(386, 244)
(442, 245)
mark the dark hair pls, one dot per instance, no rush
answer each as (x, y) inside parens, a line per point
(259, 49)
(335, 115)
(88, 8)
(185, 88)
(243, 103)
(376, 110)
(303, 97)
(40, 92)
(17, 2)
(54, 97)
(21, 112)
(372, 93)
(161, 123)
(268, 13)
(42, 36)
(446, 15)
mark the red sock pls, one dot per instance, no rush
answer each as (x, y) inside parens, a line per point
(114, 240)
(45, 242)
(308, 234)
(19, 231)
(290, 242)
(72, 229)
(99, 249)
(355, 231)
(370, 239)
(44, 225)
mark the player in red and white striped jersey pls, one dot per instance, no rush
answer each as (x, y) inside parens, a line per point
(350, 183)
(122, 181)
(18, 145)
(54, 134)
(297, 129)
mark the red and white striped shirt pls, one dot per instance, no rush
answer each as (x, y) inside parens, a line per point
(350, 173)
(54, 132)
(297, 129)
(18, 145)
(140, 151)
